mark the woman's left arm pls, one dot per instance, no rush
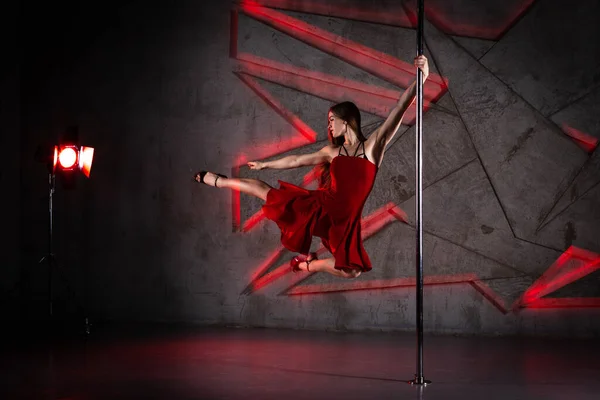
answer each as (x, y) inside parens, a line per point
(388, 129)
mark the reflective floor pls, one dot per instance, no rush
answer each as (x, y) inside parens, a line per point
(142, 362)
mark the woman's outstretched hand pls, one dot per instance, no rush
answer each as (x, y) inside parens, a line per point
(257, 165)
(423, 65)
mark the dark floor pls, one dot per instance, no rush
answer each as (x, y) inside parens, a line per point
(200, 363)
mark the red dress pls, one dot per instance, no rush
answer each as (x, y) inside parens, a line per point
(332, 214)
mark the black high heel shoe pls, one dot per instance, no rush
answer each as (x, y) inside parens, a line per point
(202, 174)
(300, 258)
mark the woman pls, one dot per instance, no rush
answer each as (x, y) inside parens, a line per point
(332, 212)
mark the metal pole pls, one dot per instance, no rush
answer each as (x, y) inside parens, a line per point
(419, 378)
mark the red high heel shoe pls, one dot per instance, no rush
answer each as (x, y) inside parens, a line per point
(300, 258)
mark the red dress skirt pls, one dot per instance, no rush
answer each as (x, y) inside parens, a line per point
(332, 214)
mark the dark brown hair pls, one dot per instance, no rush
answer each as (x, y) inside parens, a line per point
(348, 112)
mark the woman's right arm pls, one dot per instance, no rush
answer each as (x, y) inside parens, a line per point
(294, 161)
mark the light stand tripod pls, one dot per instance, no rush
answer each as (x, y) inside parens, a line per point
(51, 260)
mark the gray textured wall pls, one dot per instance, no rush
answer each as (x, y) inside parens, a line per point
(155, 91)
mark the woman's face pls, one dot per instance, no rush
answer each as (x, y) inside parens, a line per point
(336, 126)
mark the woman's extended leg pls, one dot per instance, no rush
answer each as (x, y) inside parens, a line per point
(252, 187)
(328, 265)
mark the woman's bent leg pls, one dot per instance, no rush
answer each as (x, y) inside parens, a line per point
(253, 187)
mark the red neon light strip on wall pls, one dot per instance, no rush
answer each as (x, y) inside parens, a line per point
(277, 273)
(294, 77)
(236, 202)
(378, 219)
(431, 280)
(572, 265)
(566, 302)
(382, 65)
(293, 119)
(307, 135)
(370, 225)
(533, 292)
(254, 220)
(373, 99)
(260, 216)
(583, 140)
(263, 268)
(311, 176)
(346, 286)
(393, 15)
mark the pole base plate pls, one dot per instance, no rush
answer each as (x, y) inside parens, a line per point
(419, 381)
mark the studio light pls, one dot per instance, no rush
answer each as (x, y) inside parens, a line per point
(71, 157)
(61, 161)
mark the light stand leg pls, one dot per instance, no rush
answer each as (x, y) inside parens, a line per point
(50, 256)
(52, 263)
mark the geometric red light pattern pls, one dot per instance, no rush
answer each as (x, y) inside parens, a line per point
(370, 98)
(573, 264)
(300, 136)
(369, 225)
(440, 12)
(380, 64)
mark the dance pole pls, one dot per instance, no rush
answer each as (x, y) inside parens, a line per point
(419, 379)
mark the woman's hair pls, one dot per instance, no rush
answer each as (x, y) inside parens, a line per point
(348, 112)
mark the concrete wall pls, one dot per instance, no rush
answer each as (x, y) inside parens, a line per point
(162, 92)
